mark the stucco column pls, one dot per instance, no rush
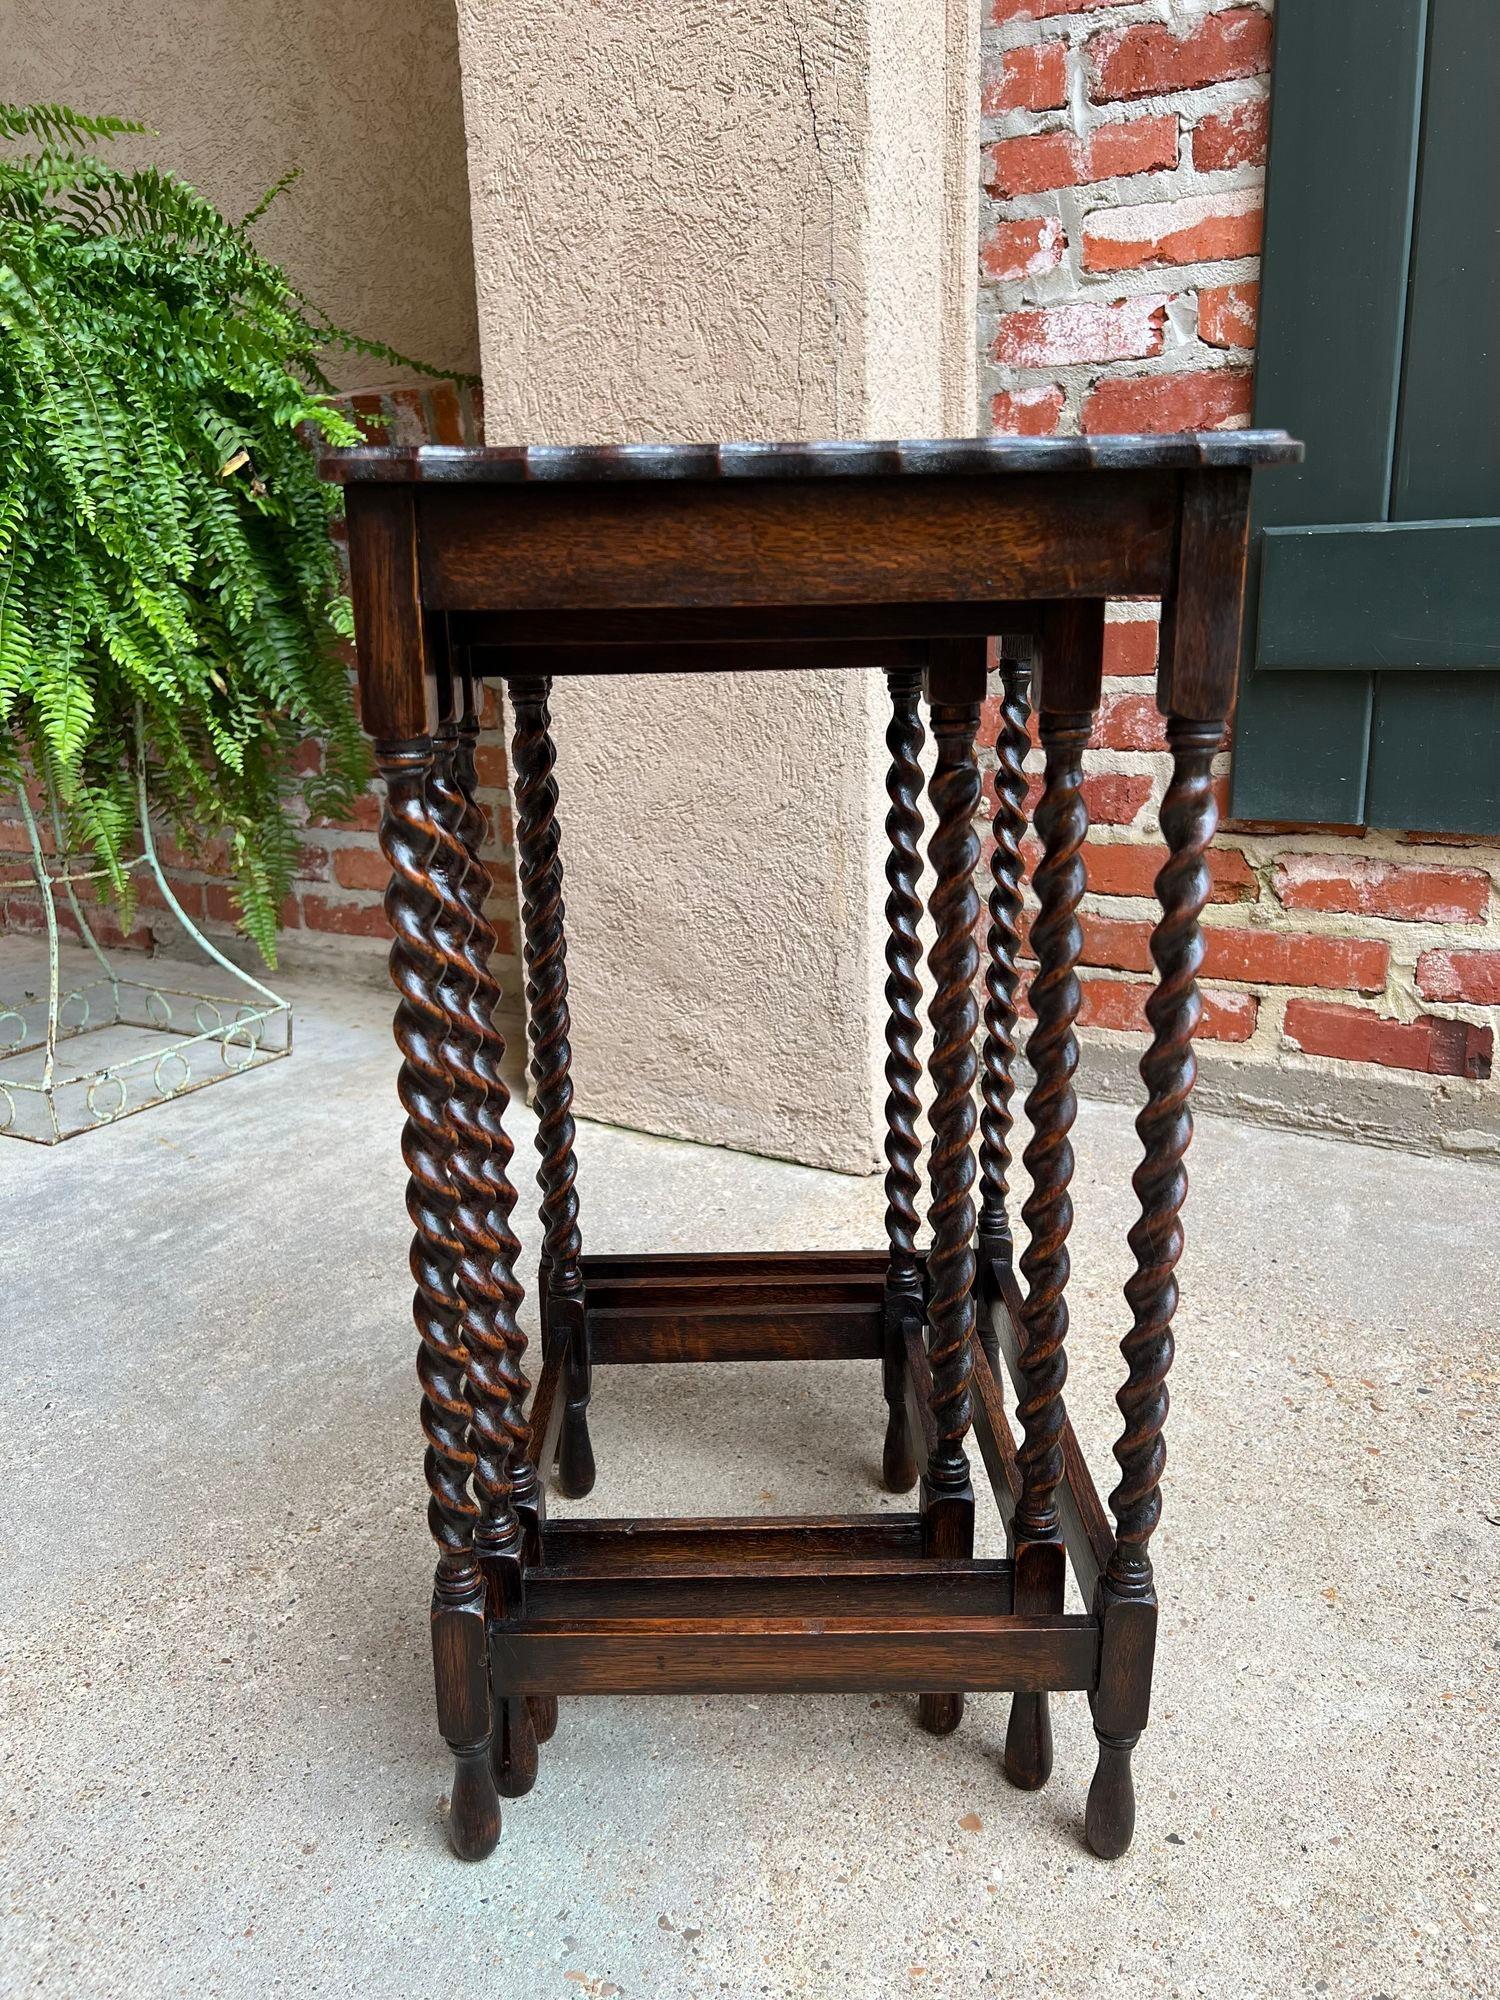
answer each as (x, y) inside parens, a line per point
(725, 219)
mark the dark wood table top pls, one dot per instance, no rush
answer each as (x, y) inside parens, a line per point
(503, 464)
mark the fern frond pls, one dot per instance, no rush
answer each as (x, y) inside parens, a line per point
(276, 189)
(58, 125)
(164, 542)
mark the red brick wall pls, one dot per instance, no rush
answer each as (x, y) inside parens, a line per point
(334, 913)
(1121, 217)
(1120, 229)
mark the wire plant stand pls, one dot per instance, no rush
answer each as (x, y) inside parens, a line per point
(50, 1089)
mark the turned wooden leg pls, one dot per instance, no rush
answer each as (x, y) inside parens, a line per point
(509, 1531)
(903, 993)
(464, 1714)
(1071, 665)
(956, 682)
(543, 1716)
(1002, 976)
(515, 1749)
(410, 838)
(575, 1450)
(543, 927)
(1127, 1592)
(1028, 1742)
(1109, 1815)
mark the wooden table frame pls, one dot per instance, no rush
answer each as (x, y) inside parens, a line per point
(524, 564)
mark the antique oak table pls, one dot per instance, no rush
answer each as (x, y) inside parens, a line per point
(908, 559)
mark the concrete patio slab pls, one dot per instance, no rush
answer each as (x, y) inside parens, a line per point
(223, 1775)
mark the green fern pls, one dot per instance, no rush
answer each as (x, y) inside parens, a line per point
(164, 542)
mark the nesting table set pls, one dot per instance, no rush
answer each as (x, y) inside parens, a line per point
(523, 564)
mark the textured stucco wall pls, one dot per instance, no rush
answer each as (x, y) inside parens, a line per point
(696, 219)
(363, 95)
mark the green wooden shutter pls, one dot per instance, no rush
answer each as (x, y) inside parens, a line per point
(1372, 686)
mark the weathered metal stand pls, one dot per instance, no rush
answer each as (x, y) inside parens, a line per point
(147, 1042)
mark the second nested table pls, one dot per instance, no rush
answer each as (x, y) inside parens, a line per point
(523, 564)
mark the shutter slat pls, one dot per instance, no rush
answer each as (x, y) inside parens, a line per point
(1379, 596)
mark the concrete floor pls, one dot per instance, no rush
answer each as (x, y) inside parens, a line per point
(222, 1771)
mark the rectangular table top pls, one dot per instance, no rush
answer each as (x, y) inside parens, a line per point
(583, 464)
(571, 558)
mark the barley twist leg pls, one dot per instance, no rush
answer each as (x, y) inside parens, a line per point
(410, 839)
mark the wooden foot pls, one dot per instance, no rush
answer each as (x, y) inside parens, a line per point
(940, 1714)
(575, 1454)
(543, 1715)
(465, 1713)
(1109, 1819)
(1028, 1742)
(898, 1461)
(515, 1755)
(474, 1816)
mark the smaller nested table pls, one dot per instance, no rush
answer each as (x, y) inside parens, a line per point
(908, 559)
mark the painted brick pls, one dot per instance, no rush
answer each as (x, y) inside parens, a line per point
(190, 895)
(1205, 399)
(346, 919)
(1032, 78)
(1280, 958)
(1121, 1004)
(1130, 721)
(1034, 163)
(1038, 161)
(1227, 315)
(1233, 138)
(1055, 336)
(1435, 837)
(360, 868)
(1198, 230)
(1130, 868)
(1149, 60)
(1002, 11)
(447, 414)
(220, 905)
(1410, 893)
(212, 858)
(409, 423)
(364, 815)
(1026, 412)
(312, 864)
(1137, 146)
(1460, 975)
(1113, 798)
(1015, 250)
(1358, 1034)
(1259, 957)
(1130, 648)
(490, 767)
(368, 411)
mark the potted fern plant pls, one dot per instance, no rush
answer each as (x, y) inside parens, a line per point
(168, 586)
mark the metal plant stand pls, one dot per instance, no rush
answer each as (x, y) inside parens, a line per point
(93, 1050)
